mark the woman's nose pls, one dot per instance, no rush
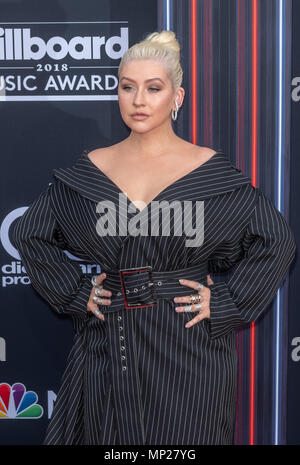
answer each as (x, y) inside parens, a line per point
(139, 97)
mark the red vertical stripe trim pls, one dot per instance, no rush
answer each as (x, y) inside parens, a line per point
(205, 96)
(254, 182)
(205, 50)
(194, 68)
(254, 92)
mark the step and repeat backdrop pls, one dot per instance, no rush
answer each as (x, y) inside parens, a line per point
(58, 97)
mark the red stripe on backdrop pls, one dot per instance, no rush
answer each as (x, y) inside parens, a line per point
(254, 182)
(193, 21)
(254, 92)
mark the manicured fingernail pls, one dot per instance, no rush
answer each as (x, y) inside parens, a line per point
(181, 281)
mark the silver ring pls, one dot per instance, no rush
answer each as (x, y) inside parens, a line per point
(97, 312)
(98, 291)
(94, 282)
(97, 300)
(200, 286)
(188, 308)
(195, 297)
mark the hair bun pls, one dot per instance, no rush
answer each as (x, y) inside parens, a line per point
(162, 47)
(165, 38)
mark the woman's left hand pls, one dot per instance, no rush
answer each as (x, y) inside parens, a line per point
(204, 311)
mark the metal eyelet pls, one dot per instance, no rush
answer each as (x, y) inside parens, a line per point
(120, 328)
(159, 283)
(123, 357)
(119, 318)
(121, 338)
(124, 368)
(135, 289)
(122, 348)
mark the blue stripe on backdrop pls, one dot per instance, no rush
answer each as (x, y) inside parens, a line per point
(277, 188)
(224, 62)
(168, 14)
(283, 77)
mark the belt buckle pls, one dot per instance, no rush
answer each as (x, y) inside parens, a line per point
(148, 269)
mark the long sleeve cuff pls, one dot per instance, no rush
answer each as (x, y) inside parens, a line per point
(224, 314)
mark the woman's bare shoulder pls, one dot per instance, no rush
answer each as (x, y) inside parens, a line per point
(200, 150)
(101, 155)
(201, 153)
(208, 150)
(102, 151)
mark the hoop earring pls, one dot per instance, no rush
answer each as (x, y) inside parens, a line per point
(174, 112)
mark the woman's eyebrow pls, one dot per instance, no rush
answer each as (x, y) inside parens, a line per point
(147, 80)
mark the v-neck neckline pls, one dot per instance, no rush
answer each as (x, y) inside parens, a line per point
(194, 170)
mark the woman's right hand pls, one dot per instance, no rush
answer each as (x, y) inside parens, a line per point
(92, 306)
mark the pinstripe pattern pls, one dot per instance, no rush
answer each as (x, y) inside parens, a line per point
(141, 377)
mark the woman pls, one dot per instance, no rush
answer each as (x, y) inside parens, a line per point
(154, 359)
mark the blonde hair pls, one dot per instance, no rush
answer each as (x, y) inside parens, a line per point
(161, 46)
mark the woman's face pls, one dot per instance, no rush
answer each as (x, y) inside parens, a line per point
(144, 87)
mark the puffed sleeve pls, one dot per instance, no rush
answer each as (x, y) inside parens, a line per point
(57, 278)
(265, 253)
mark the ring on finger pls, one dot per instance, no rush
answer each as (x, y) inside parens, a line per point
(98, 291)
(189, 308)
(97, 312)
(97, 300)
(200, 286)
(195, 297)
(94, 282)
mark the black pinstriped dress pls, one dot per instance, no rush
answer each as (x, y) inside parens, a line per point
(141, 377)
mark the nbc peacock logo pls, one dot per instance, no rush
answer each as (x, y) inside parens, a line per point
(17, 403)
